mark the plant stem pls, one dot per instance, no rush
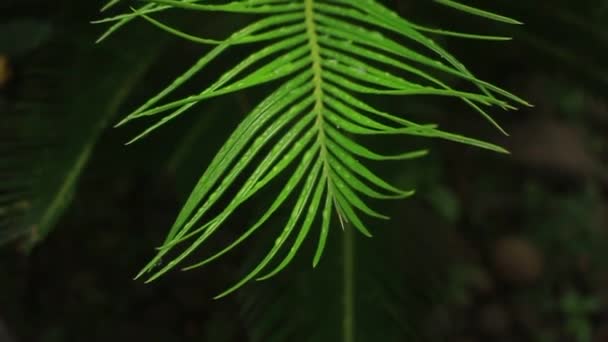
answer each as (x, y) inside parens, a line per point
(348, 256)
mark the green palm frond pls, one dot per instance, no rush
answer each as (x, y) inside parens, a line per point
(325, 58)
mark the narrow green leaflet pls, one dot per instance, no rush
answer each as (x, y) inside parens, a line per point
(478, 12)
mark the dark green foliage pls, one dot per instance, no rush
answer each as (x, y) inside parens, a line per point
(55, 157)
(388, 288)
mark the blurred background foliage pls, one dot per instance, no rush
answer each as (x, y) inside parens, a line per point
(492, 248)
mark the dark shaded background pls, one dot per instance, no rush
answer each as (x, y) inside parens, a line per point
(492, 248)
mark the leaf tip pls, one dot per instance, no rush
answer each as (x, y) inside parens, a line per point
(121, 122)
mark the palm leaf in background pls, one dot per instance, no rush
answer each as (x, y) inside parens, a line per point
(325, 59)
(587, 21)
(46, 156)
(363, 291)
(19, 146)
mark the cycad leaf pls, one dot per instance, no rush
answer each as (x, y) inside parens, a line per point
(324, 56)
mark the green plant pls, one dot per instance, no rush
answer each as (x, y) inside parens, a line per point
(327, 60)
(577, 308)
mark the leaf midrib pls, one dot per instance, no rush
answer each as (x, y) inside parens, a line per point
(318, 109)
(315, 55)
(318, 94)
